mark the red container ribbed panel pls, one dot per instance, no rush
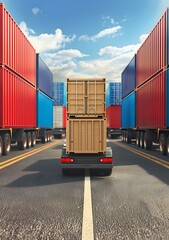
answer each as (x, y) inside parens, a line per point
(113, 115)
(151, 56)
(17, 101)
(150, 102)
(16, 52)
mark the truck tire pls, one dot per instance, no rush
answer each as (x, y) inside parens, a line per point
(168, 145)
(1, 146)
(148, 140)
(29, 142)
(142, 139)
(22, 144)
(106, 172)
(44, 139)
(33, 139)
(128, 137)
(65, 171)
(163, 144)
(138, 139)
(6, 144)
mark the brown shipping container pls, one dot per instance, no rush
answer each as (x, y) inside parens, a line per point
(150, 103)
(17, 101)
(86, 97)
(16, 52)
(86, 135)
(151, 56)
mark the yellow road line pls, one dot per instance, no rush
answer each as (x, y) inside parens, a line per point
(25, 155)
(145, 155)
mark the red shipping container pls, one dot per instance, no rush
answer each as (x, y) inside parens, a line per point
(150, 103)
(113, 115)
(17, 101)
(16, 52)
(64, 117)
(151, 56)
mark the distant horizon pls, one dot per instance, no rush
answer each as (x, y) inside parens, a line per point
(86, 39)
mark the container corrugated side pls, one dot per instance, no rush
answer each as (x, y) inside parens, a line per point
(64, 117)
(16, 52)
(129, 111)
(86, 96)
(113, 93)
(151, 56)
(59, 93)
(113, 115)
(44, 111)
(17, 101)
(151, 103)
(129, 78)
(86, 135)
(44, 77)
(58, 116)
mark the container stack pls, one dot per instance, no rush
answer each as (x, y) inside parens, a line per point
(44, 80)
(129, 95)
(17, 75)
(86, 116)
(59, 108)
(113, 105)
(152, 77)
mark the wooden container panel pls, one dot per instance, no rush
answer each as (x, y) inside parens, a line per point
(85, 97)
(86, 135)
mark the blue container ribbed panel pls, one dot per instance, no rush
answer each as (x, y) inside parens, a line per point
(113, 93)
(44, 111)
(129, 111)
(59, 93)
(129, 78)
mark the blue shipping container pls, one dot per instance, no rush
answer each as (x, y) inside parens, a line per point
(113, 93)
(44, 77)
(44, 108)
(129, 111)
(129, 78)
(59, 93)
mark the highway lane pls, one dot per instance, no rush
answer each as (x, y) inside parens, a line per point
(37, 202)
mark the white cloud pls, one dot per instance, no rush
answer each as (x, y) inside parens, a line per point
(46, 42)
(36, 10)
(143, 37)
(106, 32)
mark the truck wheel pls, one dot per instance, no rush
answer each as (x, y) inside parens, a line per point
(1, 146)
(138, 139)
(147, 140)
(168, 145)
(44, 139)
(65, 171)
(22, 144)
(107, 171)
(163, 144)
(33, 139)
(6, 143)
(128, 137)
(142, 139)
(28, 135)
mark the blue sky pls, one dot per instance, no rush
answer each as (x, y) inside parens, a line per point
(86, 38)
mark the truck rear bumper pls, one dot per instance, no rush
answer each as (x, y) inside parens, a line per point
(86, 166)
(87, 161)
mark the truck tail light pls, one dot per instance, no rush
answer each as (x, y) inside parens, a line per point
(66, 160)
(106, 160)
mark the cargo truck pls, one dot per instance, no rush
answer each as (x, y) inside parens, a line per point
(145, 91)
(25, 98)
(86, 127)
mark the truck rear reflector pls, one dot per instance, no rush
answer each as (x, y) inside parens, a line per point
(106, 160)
(66, 160)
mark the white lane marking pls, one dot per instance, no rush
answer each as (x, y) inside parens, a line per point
(87, 226)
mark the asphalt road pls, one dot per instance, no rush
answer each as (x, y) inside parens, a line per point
(37, 202)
